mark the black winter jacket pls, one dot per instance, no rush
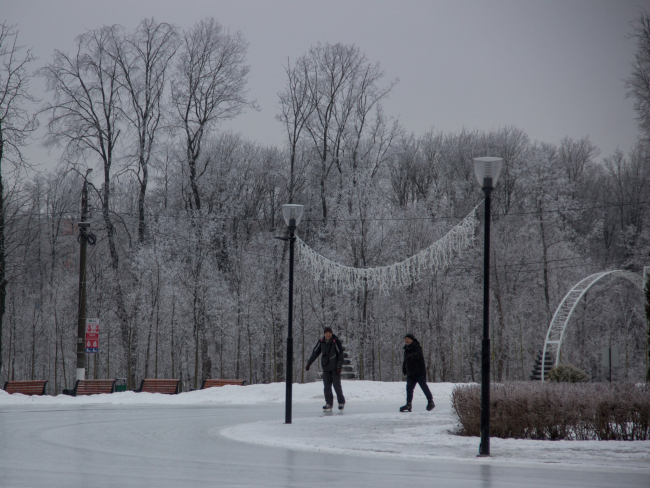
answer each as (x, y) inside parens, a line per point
(332, 353)
(413, 364)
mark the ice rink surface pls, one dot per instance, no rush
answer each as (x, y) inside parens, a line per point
(157, 445)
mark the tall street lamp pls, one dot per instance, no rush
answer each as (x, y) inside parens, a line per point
(292, 215)
(487, 172)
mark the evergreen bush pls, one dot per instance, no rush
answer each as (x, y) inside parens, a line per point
(566, 373)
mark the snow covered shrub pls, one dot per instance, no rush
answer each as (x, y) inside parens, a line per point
(573, 411)
(566, 373)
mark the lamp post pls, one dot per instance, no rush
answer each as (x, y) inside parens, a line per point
(487, 172)
(292, 215)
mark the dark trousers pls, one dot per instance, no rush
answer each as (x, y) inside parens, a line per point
(411, 381)
(333, 378)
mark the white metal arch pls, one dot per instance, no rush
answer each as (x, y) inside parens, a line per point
(568, 304)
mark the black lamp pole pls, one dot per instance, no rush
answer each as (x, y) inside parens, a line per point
(484, 449)
(289, 376)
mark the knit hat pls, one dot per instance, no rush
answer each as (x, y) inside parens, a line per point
(328, 329)
(410, 336)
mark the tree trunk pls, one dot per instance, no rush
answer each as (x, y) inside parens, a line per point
(129, 334)
(141, 199)
(542, 230)
(172, 339)
(3, 258)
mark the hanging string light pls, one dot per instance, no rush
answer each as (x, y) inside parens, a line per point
(437, 256)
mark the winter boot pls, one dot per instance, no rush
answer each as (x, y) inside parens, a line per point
(405, 408)
(430, 405)
(327, 408)
(341, 406)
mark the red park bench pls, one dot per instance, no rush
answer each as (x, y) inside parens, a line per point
(169, 387)
(91, 387)
(213, 383)
(33, 387)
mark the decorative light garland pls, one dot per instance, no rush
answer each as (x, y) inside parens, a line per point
(437, 256)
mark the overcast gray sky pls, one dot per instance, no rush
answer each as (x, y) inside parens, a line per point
(551, 68)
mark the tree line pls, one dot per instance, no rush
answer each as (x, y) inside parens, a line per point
(186, 277)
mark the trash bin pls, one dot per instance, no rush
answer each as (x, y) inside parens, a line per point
(120, 384)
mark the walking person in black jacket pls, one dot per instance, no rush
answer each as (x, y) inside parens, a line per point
(415, 371)
(331, 348)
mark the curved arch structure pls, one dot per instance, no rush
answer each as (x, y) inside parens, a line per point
(568, 304)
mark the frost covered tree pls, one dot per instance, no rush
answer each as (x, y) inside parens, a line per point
(16, 126)
(638, 84)
(84, 118)
(187, 279)
(143, 58)
(209, 86)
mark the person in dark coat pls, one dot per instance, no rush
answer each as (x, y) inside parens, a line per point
(416, 372)
(331, 361)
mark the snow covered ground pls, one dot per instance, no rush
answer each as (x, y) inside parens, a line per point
(355, 392)
(424, 435)
(416, 435)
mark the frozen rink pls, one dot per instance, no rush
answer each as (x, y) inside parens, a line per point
(195, 439)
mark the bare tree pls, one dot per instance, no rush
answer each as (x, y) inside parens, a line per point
(85, 111)
(576, 158)
(143, 58)
(628, 192)
(296, 106)
(638, 84)
(84, 119)
(331, 92)
(331, 87)
(16, 125)
(209, 85)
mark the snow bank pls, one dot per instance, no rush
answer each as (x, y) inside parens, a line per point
(424, 435)
(355, 392)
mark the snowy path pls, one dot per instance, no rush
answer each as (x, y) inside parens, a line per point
(424, 435)
(177, 442)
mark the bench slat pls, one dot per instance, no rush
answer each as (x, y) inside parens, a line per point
(91, 387)
(168, 387)
(27, 387)
(94, 387)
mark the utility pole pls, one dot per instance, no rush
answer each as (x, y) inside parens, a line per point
(83, 240)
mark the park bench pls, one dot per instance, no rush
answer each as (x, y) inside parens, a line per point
(32, 387)
(169, 387)
(91, 387)
(208, 383)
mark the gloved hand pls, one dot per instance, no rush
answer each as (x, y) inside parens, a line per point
(338, 370)
(307, 368)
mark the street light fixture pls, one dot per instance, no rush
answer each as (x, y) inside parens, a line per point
(487, 172)
(292, 214)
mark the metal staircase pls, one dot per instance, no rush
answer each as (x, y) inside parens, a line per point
(536, 374)
(349, 370)
(565, 310)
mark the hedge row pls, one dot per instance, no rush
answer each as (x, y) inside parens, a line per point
(536, 410)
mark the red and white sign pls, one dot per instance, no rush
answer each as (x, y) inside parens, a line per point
(92, 335)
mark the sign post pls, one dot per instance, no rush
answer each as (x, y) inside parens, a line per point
(92, 335)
